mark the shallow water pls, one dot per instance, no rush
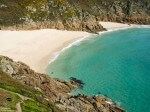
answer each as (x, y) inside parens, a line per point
(115, 64)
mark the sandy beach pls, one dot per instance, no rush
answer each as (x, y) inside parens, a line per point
(114, 25)
(36, 48)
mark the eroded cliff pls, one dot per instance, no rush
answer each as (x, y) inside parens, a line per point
(71, 14)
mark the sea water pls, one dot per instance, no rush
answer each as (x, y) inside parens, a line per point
(115, 64)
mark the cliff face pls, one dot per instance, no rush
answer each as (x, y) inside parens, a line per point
(54, 92)
(72, 14)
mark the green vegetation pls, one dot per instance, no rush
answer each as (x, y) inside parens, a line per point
(20, 12)
(35, 10)
(29, 11)
(11, 93)
(5, 104)
(33, 106)
(7, 83)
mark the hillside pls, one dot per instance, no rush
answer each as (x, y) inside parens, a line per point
(22, 88)
(72, 14)
(15, 96)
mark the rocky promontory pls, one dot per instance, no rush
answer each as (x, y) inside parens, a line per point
(54, 90)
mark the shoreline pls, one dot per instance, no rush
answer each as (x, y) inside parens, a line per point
(38, 48)
(69, 44)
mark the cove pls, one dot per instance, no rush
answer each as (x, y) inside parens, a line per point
(115, 64)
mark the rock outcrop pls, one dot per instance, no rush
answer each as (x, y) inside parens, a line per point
(56, 90)
(71, 15)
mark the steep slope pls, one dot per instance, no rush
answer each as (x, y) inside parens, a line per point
(72, 14)
(39, 92)
(17, 96)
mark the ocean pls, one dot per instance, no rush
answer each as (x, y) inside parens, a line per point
(114, 64)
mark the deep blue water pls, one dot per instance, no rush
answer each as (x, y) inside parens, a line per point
(116, 64)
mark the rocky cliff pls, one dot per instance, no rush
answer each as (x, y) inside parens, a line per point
(54, 91)
(81, 15)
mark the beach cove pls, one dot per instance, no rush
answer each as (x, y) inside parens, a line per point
(37, 48)
(114, 64)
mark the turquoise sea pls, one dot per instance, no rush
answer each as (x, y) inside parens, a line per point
(115, 64)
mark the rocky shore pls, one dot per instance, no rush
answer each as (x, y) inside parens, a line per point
(71, 15)
(90, 25)
(56, 90)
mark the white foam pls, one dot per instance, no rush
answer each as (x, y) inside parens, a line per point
(77, 42)
(123, 28)
(109, 102)
(118, 103)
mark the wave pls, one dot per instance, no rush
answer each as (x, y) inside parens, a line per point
(77, 42)
(123, 28)
(110, 101)
(118, 103)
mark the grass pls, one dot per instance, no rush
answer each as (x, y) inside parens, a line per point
(33, 106)
(27, 106)
(6, 82)
(6, 110)
(8, 105)
(12, 88)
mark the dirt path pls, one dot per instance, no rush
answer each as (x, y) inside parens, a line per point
(18, 107)
(23, 98)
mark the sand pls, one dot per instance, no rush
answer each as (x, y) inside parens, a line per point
(36, 48)
(114, 25)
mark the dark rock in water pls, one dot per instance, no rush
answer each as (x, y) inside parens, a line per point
(99, 93)
(105, 95)
(77, 80)
(80, 83)
(80, 86)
